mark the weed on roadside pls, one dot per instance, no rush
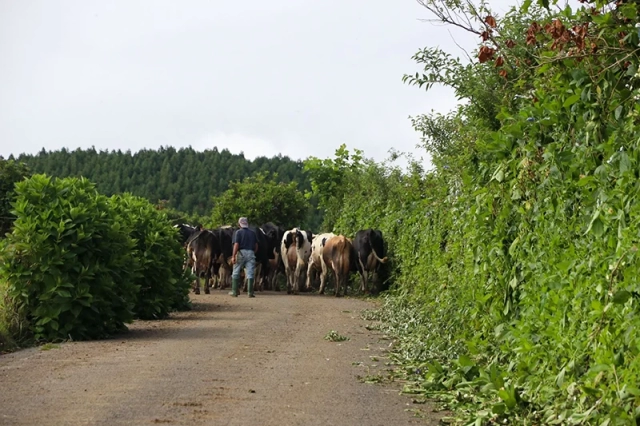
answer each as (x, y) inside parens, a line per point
(334, 336)
(49, 346)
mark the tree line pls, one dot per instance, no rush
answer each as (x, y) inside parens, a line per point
(182, 179)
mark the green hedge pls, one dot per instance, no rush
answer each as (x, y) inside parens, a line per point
(69, 260)
(516, 259)
(80, 265)
(162, 285)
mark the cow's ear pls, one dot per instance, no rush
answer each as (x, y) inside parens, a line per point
(309, 236)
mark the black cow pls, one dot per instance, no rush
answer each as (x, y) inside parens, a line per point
(262, 258)
(203, 249)
(274, 235)
(369, 246)
(222, 263)
(186, 232)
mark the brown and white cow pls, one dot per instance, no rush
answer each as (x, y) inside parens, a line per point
(295, 249)
(339, 256)
(316, 264)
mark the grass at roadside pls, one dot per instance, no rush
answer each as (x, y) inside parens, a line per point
(12, 324)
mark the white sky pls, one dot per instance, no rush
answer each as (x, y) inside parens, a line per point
(263, 77)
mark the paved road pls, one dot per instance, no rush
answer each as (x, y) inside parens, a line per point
(261, 361)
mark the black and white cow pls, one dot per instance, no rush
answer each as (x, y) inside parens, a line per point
(369, 246)
(203, 248)
(295, 249)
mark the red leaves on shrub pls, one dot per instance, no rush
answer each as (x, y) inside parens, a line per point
(534, 29)
(486, 54)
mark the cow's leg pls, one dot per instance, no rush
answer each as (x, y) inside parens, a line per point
(229, 277)
(323, 277)
(259, 277)
(271, 282)
(275, 284)
(194, 271)
(296, 280)
(215, 281)
(290, 274)
(224, 276)
(215, 275)
(196, 288)
(363, 277)
(338, 276)
(309, 275)
(276, 271)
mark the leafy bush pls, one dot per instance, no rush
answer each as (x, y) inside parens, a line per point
(163, 287)
(10, 173)
(69, 261)
(515, 260)
(261, 198)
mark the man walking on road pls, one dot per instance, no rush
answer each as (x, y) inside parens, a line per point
(245, 247)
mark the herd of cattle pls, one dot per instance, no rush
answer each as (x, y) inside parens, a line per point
(292, 252)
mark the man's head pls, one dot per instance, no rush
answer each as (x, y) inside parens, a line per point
(243, 222)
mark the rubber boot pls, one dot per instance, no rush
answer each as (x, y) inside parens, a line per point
(234, 287)
(250, 287)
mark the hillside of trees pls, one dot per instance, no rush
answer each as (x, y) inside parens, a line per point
(183, 179)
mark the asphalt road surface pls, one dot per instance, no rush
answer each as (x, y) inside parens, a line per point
(230, 361)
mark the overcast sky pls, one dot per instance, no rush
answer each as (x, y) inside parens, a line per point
(263, 77)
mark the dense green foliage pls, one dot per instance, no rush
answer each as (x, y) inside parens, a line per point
(10, 172)
(159, 256)
(80, 265)
(185, 180)
(261, 199)
(68, 260)
(329, 181)
(516, 258)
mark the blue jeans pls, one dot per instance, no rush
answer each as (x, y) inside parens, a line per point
(244, 259)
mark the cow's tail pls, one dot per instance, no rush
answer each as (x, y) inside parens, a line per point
(383, 260)
(342, 257)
